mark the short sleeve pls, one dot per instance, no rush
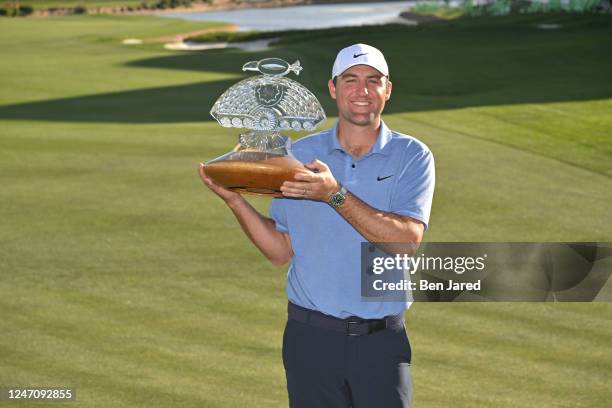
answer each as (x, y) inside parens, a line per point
(278, 213)
(414, 190)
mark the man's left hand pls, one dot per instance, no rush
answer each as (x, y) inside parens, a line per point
(318, 185)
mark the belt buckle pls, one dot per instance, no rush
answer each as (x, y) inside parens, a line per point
(348, 327)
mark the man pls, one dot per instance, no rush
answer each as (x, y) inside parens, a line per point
(368, 184)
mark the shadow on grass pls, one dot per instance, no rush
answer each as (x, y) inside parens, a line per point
(472, 62)
(184, 103)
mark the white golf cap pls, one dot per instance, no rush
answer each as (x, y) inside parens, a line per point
(359, 54)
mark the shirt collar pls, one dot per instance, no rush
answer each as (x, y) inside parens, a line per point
(383, 138)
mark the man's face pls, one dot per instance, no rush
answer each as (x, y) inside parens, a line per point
(360, 93)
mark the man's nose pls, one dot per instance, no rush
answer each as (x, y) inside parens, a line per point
(362, 89)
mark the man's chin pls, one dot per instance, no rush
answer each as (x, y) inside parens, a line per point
(362, 120)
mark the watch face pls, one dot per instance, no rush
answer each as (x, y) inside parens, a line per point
(336, 200)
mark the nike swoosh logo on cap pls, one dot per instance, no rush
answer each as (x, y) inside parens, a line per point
(359, 55)
(383, 178)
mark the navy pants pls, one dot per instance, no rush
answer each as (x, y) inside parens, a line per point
(328, 369)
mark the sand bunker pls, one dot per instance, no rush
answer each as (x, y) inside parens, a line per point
(256, 45)
(549, 26)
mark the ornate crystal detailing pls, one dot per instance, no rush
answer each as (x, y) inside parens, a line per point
(263, 141)
(287, 104)
(273, 66)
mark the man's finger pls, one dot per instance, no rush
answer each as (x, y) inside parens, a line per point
(205, 179)
(317, 166)
(202, 173)
(296, 185)
(304, 177)
(293, 190)
(300, 189)
(292, 195)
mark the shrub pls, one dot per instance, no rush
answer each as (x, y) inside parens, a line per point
(79, 9)
(503, 7)
(164, 4)
(579, 6)
(15, 9)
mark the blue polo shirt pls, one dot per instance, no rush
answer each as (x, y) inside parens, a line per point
(396, 176)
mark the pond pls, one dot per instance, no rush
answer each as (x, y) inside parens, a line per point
(304, 17)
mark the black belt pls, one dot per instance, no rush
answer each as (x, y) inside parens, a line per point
(351, 326)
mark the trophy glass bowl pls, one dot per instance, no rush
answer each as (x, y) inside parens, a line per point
(264, 105)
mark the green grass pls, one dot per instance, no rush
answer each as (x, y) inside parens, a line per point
(438, 10)
(45, 4)
(121, 276)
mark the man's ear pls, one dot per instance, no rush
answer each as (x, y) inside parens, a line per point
(389, 87)
(332, 89)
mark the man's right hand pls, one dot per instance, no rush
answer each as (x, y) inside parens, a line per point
(275, 245)
(227, 195)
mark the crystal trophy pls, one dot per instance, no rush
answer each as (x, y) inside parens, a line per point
(264, 105)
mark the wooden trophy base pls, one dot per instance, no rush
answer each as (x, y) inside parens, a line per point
(259, 177)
